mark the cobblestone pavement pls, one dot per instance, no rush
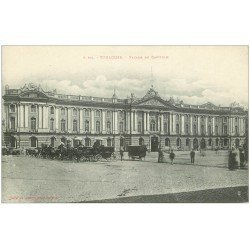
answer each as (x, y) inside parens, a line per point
(28, 179)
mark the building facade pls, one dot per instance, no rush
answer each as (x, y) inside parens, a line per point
(33, 117)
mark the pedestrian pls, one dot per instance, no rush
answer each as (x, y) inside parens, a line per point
(192, 155)
(121, 153)
(242, 158)
(172, 156)
(160, 155)
(232, 160)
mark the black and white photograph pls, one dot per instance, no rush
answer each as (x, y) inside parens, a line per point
(125, 124)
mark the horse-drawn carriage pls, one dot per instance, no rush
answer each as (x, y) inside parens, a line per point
(137, 152)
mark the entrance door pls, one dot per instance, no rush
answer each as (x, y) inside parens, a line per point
(154, 144)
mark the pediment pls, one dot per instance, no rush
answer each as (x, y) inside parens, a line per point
(153, 102)
(33, 94)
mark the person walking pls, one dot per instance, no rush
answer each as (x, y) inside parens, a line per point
(160, 155)
(192, 155)
(121, 153)
(172, 156)
(242, 158)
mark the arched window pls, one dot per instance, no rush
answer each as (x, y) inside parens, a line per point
(187, 129)
(177, 129)
(152, 125)
(97, 113)
(63, 111)
(139, 127)
(109, 142)
(167, 142)
(187, 142)
(178, 142)
(87, 142)
(121, 129)
(52, 141)
(51, 126)
(33, 108)
(52, 110)
(195, 130)
(63, 125)
(86, 126)
(33, 142)
(97, 127)
(75, 125)
(12, 108)
(74, 112)
(165, 128)
(33, 123)
(141, 141)
(108, 126)
(12, 123)
(210, 142)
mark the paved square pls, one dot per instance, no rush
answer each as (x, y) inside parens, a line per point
(29, 179)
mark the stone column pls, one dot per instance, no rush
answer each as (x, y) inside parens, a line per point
(198, 125)
(116, 121)
(40, 116)
(57, 122)
(182, 125)
(162, 124)
(103, 121)
(81, 120)
(213, 126)
(26, 116)
(191, 125)
(206, 121)
(145, 121)
(92, 121)
(174, 123)
(132, 121)
(148, 126)
(21, 116)
(135, 120)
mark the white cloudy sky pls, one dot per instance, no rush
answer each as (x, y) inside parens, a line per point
(195, 74)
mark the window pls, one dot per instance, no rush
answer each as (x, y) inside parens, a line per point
(33, 123)
(63, 125)
(52, 141)
(236, 130)
(236, 119)
(109, 127)
(165, 127)
(97, 127)
(139, 127)
(216, 130)
(152, 125)
(52, 110)
(225, 119)
(167, 142)
(217, 142)
(97, 113)
(109, 142)
(108, 114)
(216, 119)
(87, 112)
(121, 127)
(178, 142)
(202, 130)
(195, 118)
(209, 130)
(141, 141)
(187, 142)
(122, 142)
(177, 117)
(33, 108)
(51, 124)
(87, 142)
(63, 111)
(209, 119)
(74, 112)
(195, 130)
(225, 142)
(210, 142)
(86, 126)
(33, 142)
(13, 143)
(187, 130)
(177, 129)
(12, 123)
(75, 125)
(12, 108)
(202, 119)
(225, 130)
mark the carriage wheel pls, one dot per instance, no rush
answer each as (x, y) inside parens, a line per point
(83, 159)
(98, 157)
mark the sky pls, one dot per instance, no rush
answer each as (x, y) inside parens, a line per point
(194, 74)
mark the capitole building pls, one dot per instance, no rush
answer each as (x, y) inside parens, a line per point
(32, 117)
